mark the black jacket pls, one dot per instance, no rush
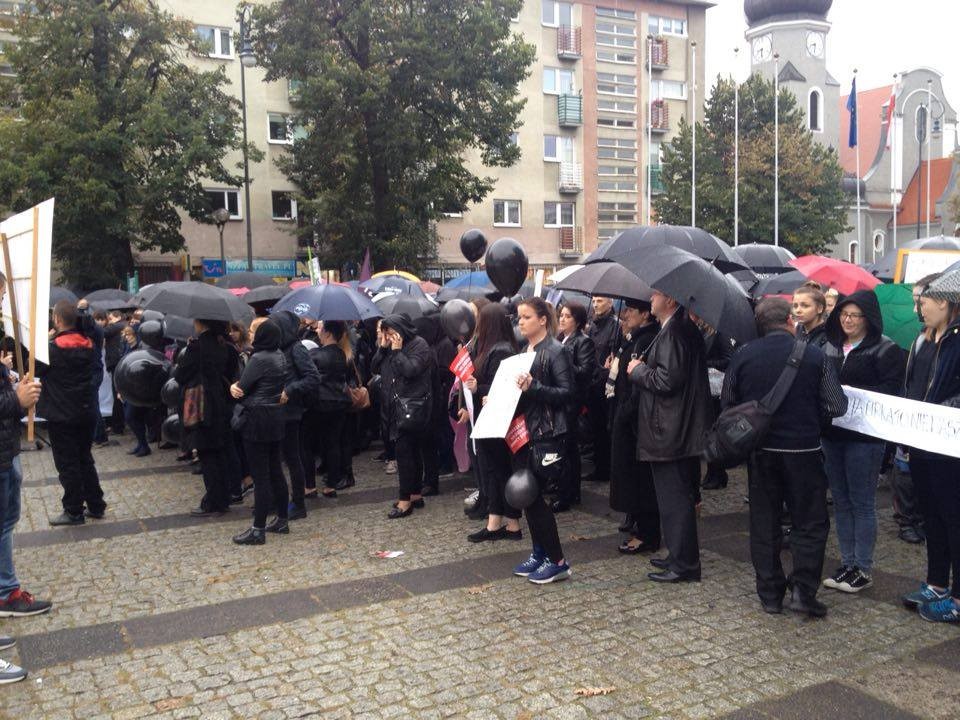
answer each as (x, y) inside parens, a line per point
(10, 427)
(603, 332)
(486, 370)
(214, 362)
(302, 379)
(945, 379)
(113, 344)
(876, 364)
(263, 379)
(66, 396)
(817, 336)
(546, 403)
(405, 373)
(331, 365)
(674, 408)
(583, 357)
(624, 392)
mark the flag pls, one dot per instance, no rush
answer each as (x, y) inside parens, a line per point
(852, 109)
(365, 271)
(891, 109)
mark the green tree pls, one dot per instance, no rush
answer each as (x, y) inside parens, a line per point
(392, 96)
(812, 203)
(106, 116)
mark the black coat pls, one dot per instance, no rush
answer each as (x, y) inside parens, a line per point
(583, 357)
(602, 332)
(66, 396)
(263, 379)
(10, 427)
(405, 373)
(674, 409)
(113, 344)
(331, 365)
(624, 392)
(214, 362)
(546, 403)
(302, 379)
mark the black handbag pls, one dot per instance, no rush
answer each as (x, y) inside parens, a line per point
(239, 419)
(413, 414)
(546, 460)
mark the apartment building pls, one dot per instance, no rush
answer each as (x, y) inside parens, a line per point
(582, 177)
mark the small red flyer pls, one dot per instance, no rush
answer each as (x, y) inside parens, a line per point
(462, 365)
(517, 434)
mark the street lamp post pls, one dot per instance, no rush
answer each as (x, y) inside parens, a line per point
(776, 149)
(248, 59)
(221, 216)
(736, 151)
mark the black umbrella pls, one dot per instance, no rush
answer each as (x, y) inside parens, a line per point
(886, 267)
(697, 285)
(765, 258)
(608, 279)
(61, 293)
(178, 328)
(447, 293)
(393, 284)
(200, 301)
(328, 302)
(412, 307)
(110, 299)
(149, 292)
(266, 294)
(694, 240)
(783, 284)
(249, 280)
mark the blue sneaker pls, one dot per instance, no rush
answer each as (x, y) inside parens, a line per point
(531, 564)
(549, 572)
(926, 594)
(944, 611)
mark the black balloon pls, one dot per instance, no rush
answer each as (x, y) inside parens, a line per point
(473, 245)
(140, 376)
(170, 393)
(521, 489)
(171, 429)
(458, 320)
(507, 265)
(151, 333)
(149, 315)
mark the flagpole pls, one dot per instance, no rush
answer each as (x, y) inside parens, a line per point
(776, 149)
(856, 117)
(736, 151)
(693, 183)
(929, 146)
(649, 127)
(892, 130)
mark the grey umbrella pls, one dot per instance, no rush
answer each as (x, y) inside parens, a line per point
(200, 301)
(61, 293)
(886, 267)
(608, 279)
(266, 294)
(694, 240)
(766, 258)
(110, 299)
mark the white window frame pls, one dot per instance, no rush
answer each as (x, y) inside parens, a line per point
(616, 13)
(226, 202)
(615, 56)
(565, 146)
(618, 170)
(624, 186)
(658, 86)
(556, 20)
(607, 104)
(611, 148)
(558, 209)
(661, 28)
(622, 212)
(879, 244)
(819, 119)
(293, 206)
(616, 34)
(623, 85)
(507, 205)
(615, 122)
(217, 50)
(288, 139)
(853, 251)
(558, 75)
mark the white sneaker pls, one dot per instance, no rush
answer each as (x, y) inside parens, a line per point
(10, 673)
(391, 468)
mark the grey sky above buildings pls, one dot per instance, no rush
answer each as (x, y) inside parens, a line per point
(878, 37)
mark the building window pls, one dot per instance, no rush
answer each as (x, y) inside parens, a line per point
(506, 213)
(293, 89)
(618, 170)
(879, 244)
(614, 56)
(621, 106)
(617, 148)
(608, 233)
(616, 122)
(613, 84)
(616, 13)
(852, 252)
(558, 214)
(557, 81)
(281, 128)
(229, 199)
(616, 34)
(217, 42)
(656, 153)
(284, 206)
(555, 14)
(515, 139)
(666, 26)
(558, 148)
(619, 212)
(815, 110)
(669, 90)
(617, 185)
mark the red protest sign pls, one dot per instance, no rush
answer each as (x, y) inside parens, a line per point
(517, 434)
(462, 365)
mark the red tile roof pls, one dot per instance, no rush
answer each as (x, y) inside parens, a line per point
(870, 104)
(939, 177)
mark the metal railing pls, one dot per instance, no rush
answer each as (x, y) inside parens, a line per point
(570, 110)
(659, 116)
(571, 241)
(660, 54)
(569, 42)
(571, 177)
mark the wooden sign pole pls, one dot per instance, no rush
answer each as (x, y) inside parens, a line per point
(33, 308)
(8, 271)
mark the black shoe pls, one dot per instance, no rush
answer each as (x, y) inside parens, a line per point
(715, 481)
(166, 446)
(669, 576)
(512, 534)
(662, 563)
(398, 513)
(419, 504)
(910, 535)
(328, 493)
(476, 513)
(628, 523)
(204, 512)
(236, 499)
(772, 607)
(810, 606)
(142, 452)
(558, 506)
(95, 515)
(295, 512)
(66, 518)
(347, 482)
(278, 525)
(429, 491)
(134, 450)
(485, 535)
(250, 536)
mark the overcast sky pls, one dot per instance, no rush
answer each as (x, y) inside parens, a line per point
(878, 37)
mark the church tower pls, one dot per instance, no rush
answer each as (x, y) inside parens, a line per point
(797, 30)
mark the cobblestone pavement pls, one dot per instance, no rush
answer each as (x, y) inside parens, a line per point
(158, 614)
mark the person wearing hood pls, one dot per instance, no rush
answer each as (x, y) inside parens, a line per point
(405, 361)
(262, 422)
(300, 389)
(865, 358)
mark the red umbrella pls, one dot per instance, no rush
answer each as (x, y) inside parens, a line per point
(844, 277)
(429, 287)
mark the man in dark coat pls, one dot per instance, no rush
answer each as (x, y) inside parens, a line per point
(603, 331)
(66, 405)
(113, 351)
(674, 415)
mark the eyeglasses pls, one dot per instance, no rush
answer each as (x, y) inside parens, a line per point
(851, 316)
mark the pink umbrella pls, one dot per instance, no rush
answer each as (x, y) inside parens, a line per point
(239, 292)
(844, 277)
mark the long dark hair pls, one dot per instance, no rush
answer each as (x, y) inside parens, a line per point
(493, 327)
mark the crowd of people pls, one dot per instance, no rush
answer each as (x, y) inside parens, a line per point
(627, 387)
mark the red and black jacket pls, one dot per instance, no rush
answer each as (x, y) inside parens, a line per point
(65, 396)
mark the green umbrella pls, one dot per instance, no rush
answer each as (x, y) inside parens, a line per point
(900, 321)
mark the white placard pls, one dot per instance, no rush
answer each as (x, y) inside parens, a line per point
(917, 264)
(20, 234)
(495, 417)
(929, 427)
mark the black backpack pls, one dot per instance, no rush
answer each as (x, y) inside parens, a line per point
(740, 429)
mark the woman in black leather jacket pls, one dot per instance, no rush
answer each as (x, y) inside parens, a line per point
(547, 395)
(583, 355)
(263, 422)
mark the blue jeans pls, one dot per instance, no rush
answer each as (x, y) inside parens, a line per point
(10, 481)
(853, 467)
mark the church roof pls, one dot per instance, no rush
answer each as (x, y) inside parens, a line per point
(790, 73)
(940, 170)
(871, 104)
(758, 11)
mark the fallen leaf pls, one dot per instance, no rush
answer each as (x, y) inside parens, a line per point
(593, 691)
(170, 703)
(477, 589)
(578, 538)
(525, 716)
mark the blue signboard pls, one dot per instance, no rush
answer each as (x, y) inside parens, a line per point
(273, 268)
(212, 268)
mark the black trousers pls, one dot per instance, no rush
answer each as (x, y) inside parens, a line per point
(569, 485)
(270, 487)
(495, 467)
(116, 417)
(290, 447)
(330, 439)
(677, 483)
(906, 505)
(540, 518)
(598, 416)
(73, 458)
(937, 482)
(799, 481)
(348, 443)
(214, 466)
(416, 463)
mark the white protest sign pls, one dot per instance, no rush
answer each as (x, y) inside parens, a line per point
(29, 239)
(495, 417)
(929, 427)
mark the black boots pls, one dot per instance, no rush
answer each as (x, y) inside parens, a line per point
(250, 536)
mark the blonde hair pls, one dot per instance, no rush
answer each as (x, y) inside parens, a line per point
(257, 322)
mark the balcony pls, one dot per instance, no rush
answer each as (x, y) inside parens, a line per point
(659, 54)
(571, 177)
(571, 241)
(570, 110)
(656, 180)
(659, 116)
(568, 43)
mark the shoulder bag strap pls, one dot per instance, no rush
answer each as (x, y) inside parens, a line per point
(778, 393)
